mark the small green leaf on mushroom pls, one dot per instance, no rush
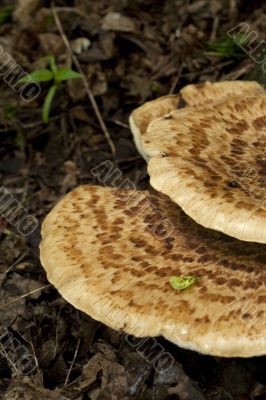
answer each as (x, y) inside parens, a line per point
(182, 282)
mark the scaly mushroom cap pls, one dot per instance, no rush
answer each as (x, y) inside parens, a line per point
(203, 93)
(143, 115)
(191, 96)
(213, 164)
(111, 252)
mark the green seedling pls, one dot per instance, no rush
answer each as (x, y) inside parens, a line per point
(54, 75)
(182, 282)
(229, 47)
(154, 87)
(257, 74)
(9, 111)
(6, 14)
(50, 21)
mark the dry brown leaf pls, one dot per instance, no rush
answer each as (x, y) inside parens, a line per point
(114, 21)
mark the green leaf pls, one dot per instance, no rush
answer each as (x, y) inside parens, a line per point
(6, 14)
(53, 65)
(64, 74)
(228, 47)
(182, 282)
(47, 103)
(240, 40)
(50, 22)
(52, 62)
(9, 111)
(41, 75)
(257, 74)
(154, 87)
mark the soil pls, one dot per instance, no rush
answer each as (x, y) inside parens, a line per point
(129, 52)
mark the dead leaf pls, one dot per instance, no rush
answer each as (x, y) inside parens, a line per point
(25, 388)
(24, 11)
(99, 364)
(51, 43)
(114, 21)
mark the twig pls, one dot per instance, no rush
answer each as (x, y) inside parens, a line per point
(5, 354)
(32, 348)
(24, 295)
(210, 69)
(86, 84)
(215, 25)
(119, 123)
(34, 353)
(232, 10)
(175, 82)
(72, 363)
(16, 262)
(56, 332)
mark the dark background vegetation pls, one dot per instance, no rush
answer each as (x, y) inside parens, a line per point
(155, 48)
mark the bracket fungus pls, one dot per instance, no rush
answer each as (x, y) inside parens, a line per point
(189, 97)
(111, 252)
(211, 159)
(140, 118)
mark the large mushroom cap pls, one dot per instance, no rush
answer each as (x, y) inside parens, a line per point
(111, 252)
(192, 96)
(213, 164)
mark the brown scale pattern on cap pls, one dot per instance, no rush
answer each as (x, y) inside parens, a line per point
(124, 281)
(209, 92)
(213, 164)
(190, 96)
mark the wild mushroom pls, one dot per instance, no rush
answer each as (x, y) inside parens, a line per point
(190, 96)
(111, 253)
(208, 92)
(141, 117)
(213, 165)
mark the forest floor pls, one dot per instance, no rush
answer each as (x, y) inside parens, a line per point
(147, 49)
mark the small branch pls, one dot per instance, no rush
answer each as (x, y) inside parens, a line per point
(24, 295)
(176, 79)
(72, 363)
(5, 354)
(86, 84)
